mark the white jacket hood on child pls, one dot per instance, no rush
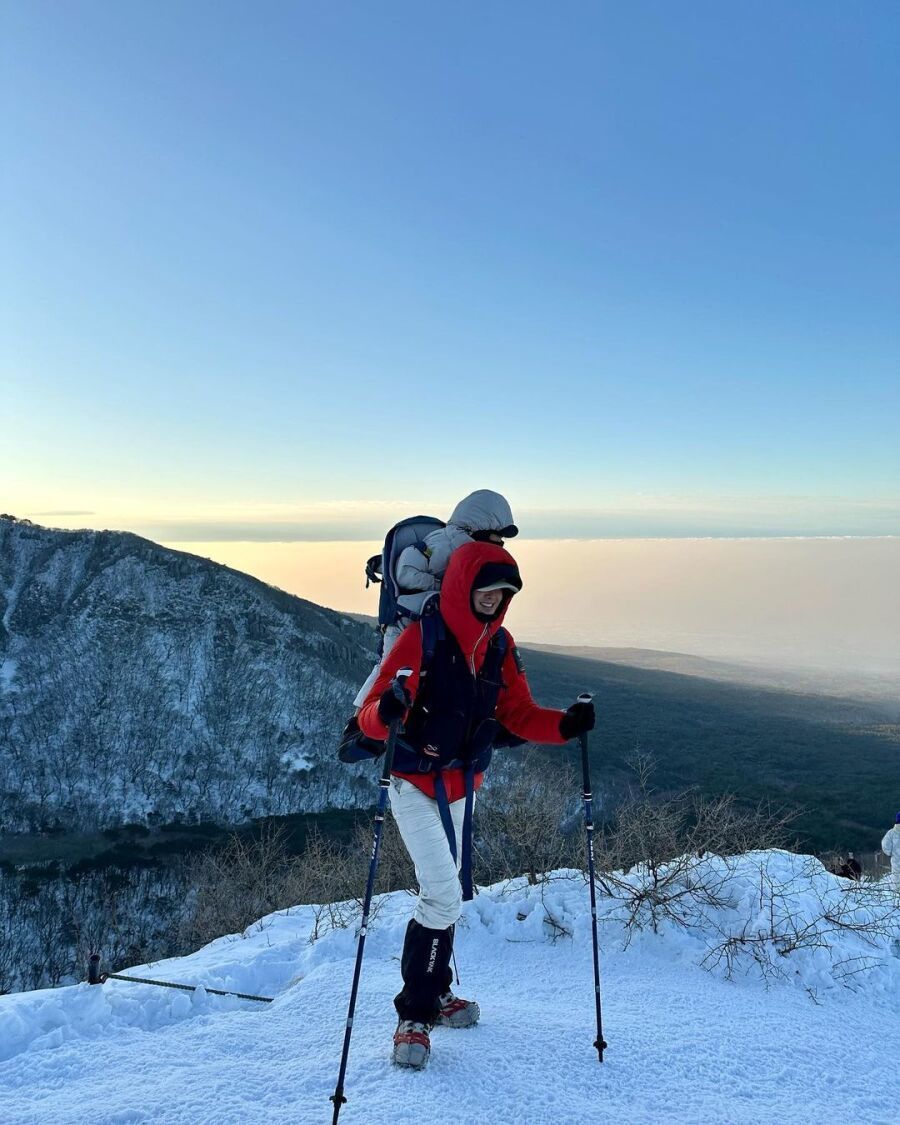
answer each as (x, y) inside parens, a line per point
(482, 510)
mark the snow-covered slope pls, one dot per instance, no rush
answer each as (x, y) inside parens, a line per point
(138, 682)
(811, 1042)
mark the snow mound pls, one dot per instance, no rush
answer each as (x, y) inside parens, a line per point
(770, 915)
(768, 996)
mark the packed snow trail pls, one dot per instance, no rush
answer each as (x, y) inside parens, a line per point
(684, 1045)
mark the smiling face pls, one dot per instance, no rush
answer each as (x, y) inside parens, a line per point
(487, 601)
(472, 570)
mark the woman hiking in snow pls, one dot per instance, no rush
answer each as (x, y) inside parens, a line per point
(467, 681)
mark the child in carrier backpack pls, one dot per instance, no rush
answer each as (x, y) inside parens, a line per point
(483, 516)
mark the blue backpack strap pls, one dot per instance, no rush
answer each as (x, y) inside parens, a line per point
(501, 646)
(443, 804)
(433, 632)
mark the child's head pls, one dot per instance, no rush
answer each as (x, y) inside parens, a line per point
(489, 536)
(485, 516)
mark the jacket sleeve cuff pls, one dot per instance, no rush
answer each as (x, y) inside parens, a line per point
(540, 725)
(550, 720)
(370, 724)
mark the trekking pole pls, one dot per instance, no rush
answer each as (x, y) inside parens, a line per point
(599, 1042)
(338, 1096)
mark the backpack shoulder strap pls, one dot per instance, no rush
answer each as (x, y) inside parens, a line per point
(493, 661)
(433, 632)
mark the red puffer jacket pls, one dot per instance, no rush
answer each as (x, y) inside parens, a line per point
(516, 710)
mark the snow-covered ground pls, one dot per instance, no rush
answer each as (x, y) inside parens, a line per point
(685, 1044)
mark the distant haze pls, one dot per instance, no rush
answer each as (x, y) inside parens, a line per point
(832, 604)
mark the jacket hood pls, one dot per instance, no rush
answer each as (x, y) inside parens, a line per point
(467, 563)
(484, 510)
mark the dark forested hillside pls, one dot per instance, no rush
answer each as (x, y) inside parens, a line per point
(838, 760)
(143, 684)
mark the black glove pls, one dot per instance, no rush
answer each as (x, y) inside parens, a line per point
(579, 719)
(395, 701)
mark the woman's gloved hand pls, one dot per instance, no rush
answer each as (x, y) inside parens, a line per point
(579, 719)
(395, 701)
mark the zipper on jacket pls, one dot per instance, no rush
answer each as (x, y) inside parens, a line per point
(486, 629)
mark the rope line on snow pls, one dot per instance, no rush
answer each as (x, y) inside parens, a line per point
(96, 976)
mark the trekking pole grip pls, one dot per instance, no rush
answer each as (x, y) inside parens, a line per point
(585, 697)
(398, 686)
(398, 683)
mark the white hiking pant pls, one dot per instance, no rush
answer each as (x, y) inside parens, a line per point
(391, 633)
(419, 822)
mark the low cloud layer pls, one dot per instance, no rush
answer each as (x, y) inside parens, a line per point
(812, 603)
(726, 518)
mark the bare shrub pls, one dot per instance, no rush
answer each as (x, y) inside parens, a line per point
(682, 860)
(235, 885)
(527, 821)
(323, 871)
(327, 878)
(804, 911)
(663, 841)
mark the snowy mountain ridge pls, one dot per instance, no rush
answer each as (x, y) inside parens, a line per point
(142, 683)
(794, 1027)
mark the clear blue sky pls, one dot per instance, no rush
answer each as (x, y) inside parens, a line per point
(291, 253)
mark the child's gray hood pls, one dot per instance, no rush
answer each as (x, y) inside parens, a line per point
(483, 510)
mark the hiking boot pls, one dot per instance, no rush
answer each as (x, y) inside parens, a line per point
(457, 1013)
(411, 1044)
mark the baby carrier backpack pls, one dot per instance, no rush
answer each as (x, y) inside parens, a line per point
(397, 606)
